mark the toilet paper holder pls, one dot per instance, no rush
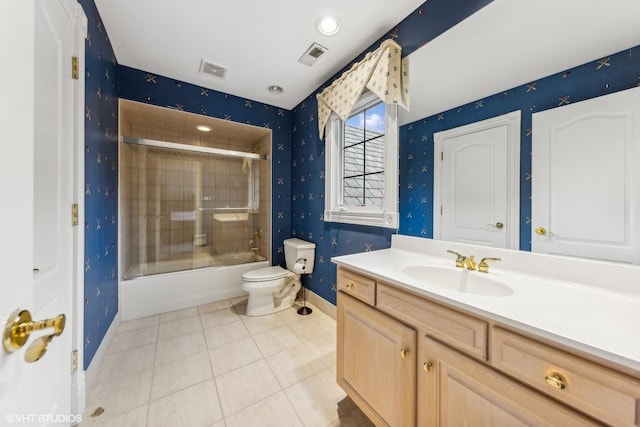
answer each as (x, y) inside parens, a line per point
(300, 265)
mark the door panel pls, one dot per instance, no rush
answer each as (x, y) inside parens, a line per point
(585, 163)
(476, 189)
(39, 97)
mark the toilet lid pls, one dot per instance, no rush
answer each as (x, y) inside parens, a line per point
(266, 273)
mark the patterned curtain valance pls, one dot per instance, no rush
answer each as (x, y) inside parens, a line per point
(382, 71)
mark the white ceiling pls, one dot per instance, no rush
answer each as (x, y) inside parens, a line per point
(258, 41)
(513, 42)
(505, 44)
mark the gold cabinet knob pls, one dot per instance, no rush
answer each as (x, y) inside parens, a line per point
(427, 366)
(541, 231)
(556, 381)
(351, 285)
(404, 352)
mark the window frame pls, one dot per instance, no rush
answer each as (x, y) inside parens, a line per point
(335, 211)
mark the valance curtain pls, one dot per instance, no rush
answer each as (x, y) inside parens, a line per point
(382, 71)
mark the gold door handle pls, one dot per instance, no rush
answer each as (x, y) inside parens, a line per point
(20, 326)
(556, 381)
(541, 231)
(427, 366)
(404, 352)
(497, 225)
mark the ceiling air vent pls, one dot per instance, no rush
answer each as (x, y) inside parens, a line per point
(312, 54)
(213, 69)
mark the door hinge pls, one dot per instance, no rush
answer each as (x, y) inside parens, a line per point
(440, 210)
(74, 361)
(75, 68)
(74, 214)
(442, 155)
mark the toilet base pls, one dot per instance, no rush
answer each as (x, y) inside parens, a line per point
(263, 305)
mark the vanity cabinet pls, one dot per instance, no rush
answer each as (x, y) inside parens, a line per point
(406, 359)
(455, 390)
(376, 362)
(594, 389)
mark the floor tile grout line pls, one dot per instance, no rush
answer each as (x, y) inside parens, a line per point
(153, 373)
(284, 320)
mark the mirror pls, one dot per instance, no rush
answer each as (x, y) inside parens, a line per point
(511, 55)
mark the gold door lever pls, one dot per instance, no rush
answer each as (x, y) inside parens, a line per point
(497, 225)
(20, 326)
(541, 231)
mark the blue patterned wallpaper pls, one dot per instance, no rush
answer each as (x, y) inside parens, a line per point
(144, 87)
(298, 173)
(101, 184)
(602, 76)
(307, 167)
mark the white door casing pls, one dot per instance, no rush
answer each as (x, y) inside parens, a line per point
(476, 183)
(585, 179)
(40, 112)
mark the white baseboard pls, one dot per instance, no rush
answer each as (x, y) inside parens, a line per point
(94, 367)
(321, 304)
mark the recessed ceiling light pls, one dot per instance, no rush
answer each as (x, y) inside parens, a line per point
(203, 128)
(275, 89)
(328, 25)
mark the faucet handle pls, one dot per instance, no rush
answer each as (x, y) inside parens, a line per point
(459, 258)
(483, 267)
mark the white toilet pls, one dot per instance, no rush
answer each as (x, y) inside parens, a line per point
(272, 289)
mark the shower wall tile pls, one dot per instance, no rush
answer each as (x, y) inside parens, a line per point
(101, 184)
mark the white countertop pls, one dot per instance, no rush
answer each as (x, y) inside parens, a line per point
(601, 318)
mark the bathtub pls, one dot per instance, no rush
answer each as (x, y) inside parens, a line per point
(158, 288)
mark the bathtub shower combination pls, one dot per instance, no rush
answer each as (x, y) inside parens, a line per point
(193, 220)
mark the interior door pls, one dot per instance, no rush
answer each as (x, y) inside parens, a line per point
(585, 175)
(37, 39)
(476, 198)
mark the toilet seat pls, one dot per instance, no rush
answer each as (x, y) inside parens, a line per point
(265, 274)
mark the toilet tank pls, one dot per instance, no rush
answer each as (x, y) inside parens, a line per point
(294, 249)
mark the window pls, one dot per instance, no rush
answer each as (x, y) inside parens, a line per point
(362, 165)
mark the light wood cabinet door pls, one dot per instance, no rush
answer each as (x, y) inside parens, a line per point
(459, 391)
(376, 362)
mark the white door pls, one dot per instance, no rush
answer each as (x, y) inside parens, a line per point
(36, 183)
(476, 185)
(585, 175)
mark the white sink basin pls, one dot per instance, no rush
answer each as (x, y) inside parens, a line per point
(459, 280)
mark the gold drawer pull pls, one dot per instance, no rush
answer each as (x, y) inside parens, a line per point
(427, 366)
(350, 285)
(556, 381)
(404, 352)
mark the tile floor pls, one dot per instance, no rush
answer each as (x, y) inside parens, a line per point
(212, 366)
